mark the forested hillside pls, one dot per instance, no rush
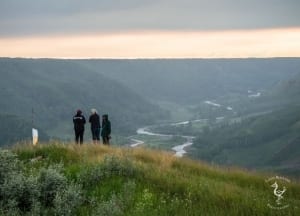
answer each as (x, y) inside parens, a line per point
(55, 89)
(284, 94)
(261, 132)
(262, 141)
(190, 81)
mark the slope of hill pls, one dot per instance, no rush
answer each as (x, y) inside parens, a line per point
(56, 88)
(190, 81)
(288, 90)
(281, 95)
(97, 180)
(266, 141)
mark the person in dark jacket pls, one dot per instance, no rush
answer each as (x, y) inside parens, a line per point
(95, 126)
(79, 122)
(106, 130)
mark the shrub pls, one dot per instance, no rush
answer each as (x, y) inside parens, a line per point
(8, 164)
(116, 205)
(20, 190)
(68, 200)
(111, 166)
(112, 207)
(114, 166)
(51, 181)
(46, 193)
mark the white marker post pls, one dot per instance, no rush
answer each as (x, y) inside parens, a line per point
(35, 136)
(35, 133)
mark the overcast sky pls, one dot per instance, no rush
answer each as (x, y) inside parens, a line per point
(30, 17)
(39, 20)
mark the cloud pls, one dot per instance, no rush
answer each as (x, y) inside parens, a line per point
(159, 44)
(42, 17)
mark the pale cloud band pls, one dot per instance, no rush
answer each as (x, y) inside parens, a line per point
(149, 28)
(159, 44)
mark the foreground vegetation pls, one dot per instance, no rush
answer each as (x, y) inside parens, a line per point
(64, 179)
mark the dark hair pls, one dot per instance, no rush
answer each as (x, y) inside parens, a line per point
(79, 111)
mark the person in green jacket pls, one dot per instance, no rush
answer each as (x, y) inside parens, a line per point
(106, 129)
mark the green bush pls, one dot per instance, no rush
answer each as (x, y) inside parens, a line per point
(51, 181)
(48, 192)
(111, 166)
(8, 164)
(117, 204)
(68, 200)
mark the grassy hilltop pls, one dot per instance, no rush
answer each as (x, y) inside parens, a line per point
(65, 179)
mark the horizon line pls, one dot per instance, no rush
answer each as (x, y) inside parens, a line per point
(266, 43)
(147, 58)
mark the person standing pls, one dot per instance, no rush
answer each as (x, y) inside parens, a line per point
(106, 129)
(79, 122)
(95, 126)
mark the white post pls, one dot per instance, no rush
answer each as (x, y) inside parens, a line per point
(35, 136)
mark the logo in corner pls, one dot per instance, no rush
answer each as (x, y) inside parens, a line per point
(280, 186)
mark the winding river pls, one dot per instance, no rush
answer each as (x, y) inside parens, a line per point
(179, 149)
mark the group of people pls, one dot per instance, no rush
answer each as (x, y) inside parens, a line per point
(94, 119)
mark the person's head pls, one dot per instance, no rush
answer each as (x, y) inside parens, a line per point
(79, 112)
(105, 117)
(93, 111)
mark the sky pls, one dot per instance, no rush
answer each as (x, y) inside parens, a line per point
(149, 28)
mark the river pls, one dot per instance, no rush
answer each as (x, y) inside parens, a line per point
(179, 149)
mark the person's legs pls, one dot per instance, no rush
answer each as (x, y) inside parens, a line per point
(97, 135)
(104, 140)
(76, 136)
(107, 140)
(93, 135)
(81, 136)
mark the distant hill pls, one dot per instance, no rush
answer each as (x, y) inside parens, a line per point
(190, 81)
(288, 90)
(282, 95)
(55, 89)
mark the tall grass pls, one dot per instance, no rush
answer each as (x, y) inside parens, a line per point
(126, 181)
